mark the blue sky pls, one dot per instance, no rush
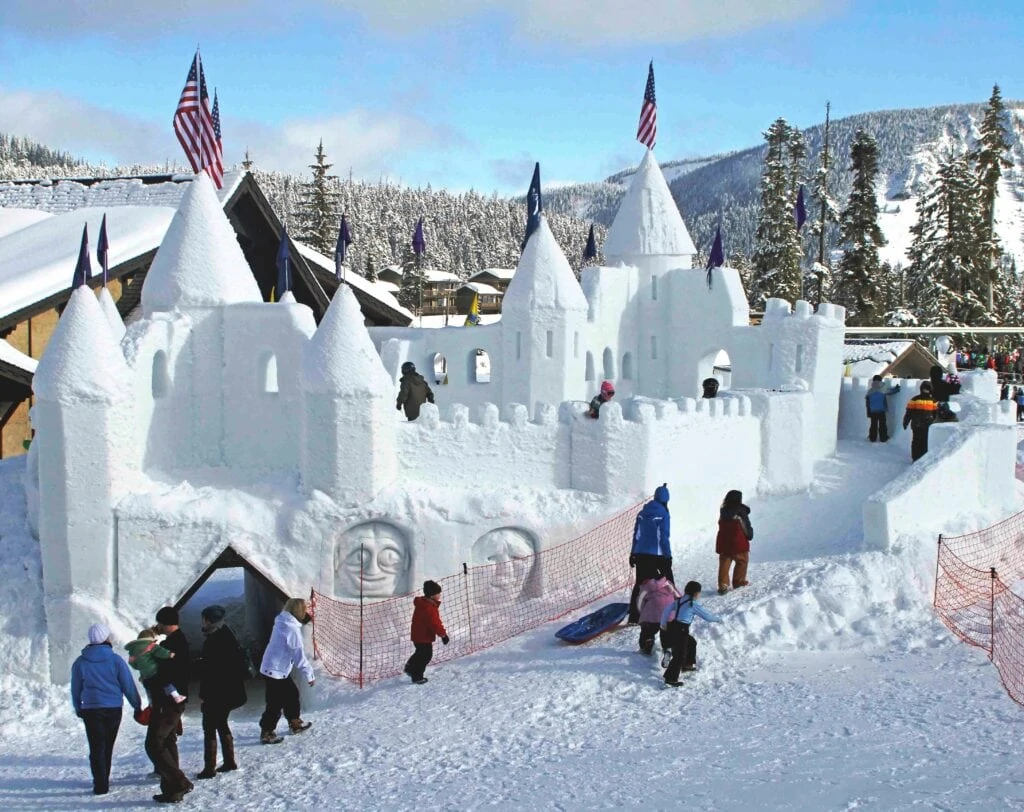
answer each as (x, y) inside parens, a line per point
(468, 93)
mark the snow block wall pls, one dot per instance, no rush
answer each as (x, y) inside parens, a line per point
(220, 421)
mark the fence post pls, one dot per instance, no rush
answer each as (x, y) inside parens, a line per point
(469, 604)
(938, 558)
(992, 616)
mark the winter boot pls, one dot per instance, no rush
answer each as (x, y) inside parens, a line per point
(420, 681)
(227, 747)
(297, 725)
(673, 684)
(270, 737)
(666, 658)
(209, 759)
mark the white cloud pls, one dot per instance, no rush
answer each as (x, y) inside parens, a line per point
(580, 22)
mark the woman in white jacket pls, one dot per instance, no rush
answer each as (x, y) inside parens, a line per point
(284, 652)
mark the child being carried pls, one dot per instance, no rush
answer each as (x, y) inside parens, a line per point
(143, 655)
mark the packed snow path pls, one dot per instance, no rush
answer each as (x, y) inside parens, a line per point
(830, 685)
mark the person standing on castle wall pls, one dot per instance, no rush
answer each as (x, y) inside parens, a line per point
(941, 387)
(413, 391)
(285, 652)
(733, 541)
(223, 670)
(710, 387)
(426, 627)
(1018, 398)
(922, 411)
(607, 393)
(165, 722)
(876, 401)
(100, 682)
(652, 549)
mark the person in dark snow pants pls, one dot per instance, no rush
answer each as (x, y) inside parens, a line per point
(413, 391)
(676, 620)
(426, 627)
(651, 553)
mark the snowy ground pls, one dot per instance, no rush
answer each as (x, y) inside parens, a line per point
(830, 685)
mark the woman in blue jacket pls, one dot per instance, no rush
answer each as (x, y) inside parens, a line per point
(100, 682)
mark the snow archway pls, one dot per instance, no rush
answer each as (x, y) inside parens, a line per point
(715, 364)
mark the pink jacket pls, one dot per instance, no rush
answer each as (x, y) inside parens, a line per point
(655, 595)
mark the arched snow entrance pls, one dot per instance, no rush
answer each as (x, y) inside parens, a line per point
(440, 366)
(715, 364)
(479, 366)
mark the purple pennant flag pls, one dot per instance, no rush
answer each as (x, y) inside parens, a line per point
(590, 249)
(419, 242)
(83, 270)
(716, 259)
(103, 250)
(344, 241)
(800, 211)
(284, 263)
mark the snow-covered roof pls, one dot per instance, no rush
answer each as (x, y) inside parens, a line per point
(543, 278)
(200, 263)
(454, 320)
(867, 360)
(648, 222)
(381, 291)
(12, 219)
(434, 275)
(16, 358)
(39, 260)
(482, 288)
(497, 273)
(390, 287)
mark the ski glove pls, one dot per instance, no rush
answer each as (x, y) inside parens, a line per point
(444, 639)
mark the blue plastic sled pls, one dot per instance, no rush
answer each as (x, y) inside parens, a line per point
(590, 626)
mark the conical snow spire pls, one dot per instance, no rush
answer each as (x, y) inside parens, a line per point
(340, 357)
(109, 308)
(199, 263)
(82, 360)
(543, 278)
(648, 222)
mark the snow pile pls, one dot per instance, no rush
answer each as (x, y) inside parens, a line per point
(200, 263)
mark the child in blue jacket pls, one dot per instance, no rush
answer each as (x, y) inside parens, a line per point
(676, 620)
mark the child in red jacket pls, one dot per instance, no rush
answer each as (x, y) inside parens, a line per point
(733, 541)
(426, 627)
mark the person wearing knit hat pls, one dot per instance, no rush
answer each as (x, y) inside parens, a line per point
(223, 670)
(165, 721)
(426, 627)
(100, 682)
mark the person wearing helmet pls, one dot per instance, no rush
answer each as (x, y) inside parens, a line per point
(710, 387)
(413, 391)
(922, 411)
(607, 393)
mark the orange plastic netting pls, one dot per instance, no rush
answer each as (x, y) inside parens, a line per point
(481, 606)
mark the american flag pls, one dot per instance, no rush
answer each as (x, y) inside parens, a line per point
(218, 146)
(647, 132)
(194, 125)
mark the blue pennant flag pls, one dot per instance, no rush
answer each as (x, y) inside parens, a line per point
(284, 268)
(419, 242)
(344, 241)
(800, 212)
(534, 205)
(590, 250)
(103, 250)
(716, 259)
(83, 270)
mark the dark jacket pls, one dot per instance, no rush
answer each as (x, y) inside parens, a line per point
(412, 393)
(651, 532)
(101, 679)
(222, 670)
(941, 388)
(921, 412)
(426, 621)
(875, 399)
(734, 531)
(596, 404)
(175, 672)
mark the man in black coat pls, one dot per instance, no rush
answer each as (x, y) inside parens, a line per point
(221, 689)
(165, 721)
(922, 411)
(413, 391)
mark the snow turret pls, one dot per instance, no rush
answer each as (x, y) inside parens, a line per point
(542, 314)
(349, 433)
(648, 222)
(199, 263)
(83, 421)
(113, 316)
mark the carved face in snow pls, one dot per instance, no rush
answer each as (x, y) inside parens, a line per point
(510, 552)
(377, 554)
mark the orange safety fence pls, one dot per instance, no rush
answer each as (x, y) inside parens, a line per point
(975, 581)
(481, 606)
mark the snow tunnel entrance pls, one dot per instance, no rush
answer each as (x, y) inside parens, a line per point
(715, 364)
(251, 598)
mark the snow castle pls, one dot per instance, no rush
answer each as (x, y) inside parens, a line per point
(225, 431)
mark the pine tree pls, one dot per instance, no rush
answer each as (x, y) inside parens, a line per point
(856, 284)
(319, 222)
(410, 294)
(828, 211)
(991, 159)
(371, 269)
(777, 257)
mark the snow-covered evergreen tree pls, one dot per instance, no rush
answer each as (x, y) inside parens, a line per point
(371, 269)
(319, 219)
(856, 281)
(827, 214)
(777, 258)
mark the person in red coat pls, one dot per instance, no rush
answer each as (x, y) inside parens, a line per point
(426, 627)
(733, 542)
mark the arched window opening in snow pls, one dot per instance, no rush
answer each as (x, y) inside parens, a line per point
(480, 366)
(440, 367)
(799, 358)
(268, 373)
(576, 345)
(609, 364)
(654, 287)
(627, 366)
(654, 348)
(588, 375)
(715, 364)
(771, 357)
(161, 375)
(519, 346)
(550, 343)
